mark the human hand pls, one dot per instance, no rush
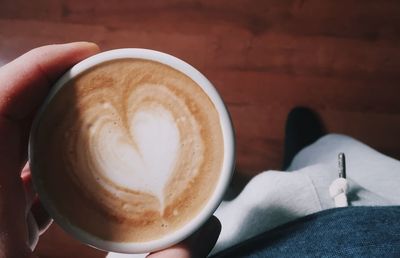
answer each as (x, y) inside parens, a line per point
(24, 83)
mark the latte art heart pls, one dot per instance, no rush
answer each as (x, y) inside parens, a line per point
(133, 150)
(142, 158)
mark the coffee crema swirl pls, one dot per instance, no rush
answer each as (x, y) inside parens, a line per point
(133, 150)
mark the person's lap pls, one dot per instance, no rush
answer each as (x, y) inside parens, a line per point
(274, 198)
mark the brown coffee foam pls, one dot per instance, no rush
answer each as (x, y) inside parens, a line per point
(133, 216)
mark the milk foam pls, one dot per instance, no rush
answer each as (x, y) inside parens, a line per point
(142, 161)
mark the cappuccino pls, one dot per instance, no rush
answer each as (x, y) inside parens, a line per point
(128, 151)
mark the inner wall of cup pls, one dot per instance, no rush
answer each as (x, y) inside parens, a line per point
(227, 165)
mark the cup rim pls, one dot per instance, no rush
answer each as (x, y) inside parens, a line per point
(227, 165)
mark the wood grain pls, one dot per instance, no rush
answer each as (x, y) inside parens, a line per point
(340, 58)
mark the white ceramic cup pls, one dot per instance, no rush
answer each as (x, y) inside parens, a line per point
(227, 166)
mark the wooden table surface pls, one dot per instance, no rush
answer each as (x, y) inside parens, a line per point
(340, 58)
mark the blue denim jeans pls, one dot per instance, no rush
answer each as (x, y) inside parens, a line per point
(339, 232)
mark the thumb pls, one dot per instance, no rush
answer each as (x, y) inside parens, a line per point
(25, 83)
(26, 80)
